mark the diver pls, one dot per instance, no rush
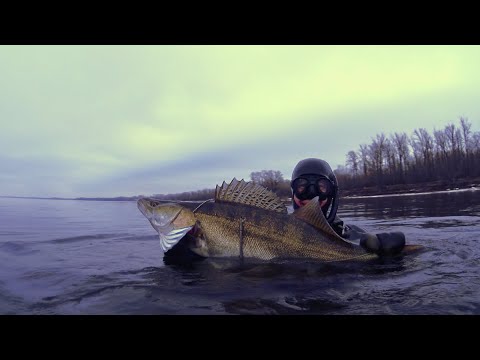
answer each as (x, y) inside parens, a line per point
(314, 177)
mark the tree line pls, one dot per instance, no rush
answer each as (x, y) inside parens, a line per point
(271, 179)
(446, 155)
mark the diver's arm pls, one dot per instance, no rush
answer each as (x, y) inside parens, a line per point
(338, 226)
(351, 233)
(382, 244)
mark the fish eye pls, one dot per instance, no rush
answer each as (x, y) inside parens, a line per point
(153, 203)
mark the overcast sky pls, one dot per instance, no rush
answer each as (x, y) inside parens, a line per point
(129, 120)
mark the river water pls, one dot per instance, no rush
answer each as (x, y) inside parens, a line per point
(103, 257)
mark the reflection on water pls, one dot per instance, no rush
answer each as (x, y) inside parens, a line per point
(452, 203)
(78, 257)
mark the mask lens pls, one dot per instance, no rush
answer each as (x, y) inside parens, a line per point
(325, 187)
(308, 188)
(300, 186)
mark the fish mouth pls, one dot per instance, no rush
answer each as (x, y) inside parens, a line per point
(166, 220)
(158, 219)
(171, 238)
(141, 205)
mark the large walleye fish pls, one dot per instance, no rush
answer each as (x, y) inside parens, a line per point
(247, 220)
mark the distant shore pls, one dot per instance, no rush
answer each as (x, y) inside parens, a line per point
(400, 189)
(411, 188)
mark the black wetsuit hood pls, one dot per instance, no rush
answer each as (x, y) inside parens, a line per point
(319, 167)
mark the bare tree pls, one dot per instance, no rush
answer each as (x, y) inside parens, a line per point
(466, 126)
(466, 132)
(422, 143)
(476, 153)
(391, 161)
(364, 158)
(376, 152)
(352, 162)
(454, 139)
(268, 178)
(450, 154)
(441, 144)
(476, 143)
(400, 141)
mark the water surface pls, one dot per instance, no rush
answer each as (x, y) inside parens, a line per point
(101, 257)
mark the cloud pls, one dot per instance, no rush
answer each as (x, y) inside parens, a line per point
(117, 119)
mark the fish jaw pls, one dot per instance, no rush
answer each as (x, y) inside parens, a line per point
(172, 221)
(159, 214)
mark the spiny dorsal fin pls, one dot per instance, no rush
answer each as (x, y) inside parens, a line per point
(312, 214)
(248, 193)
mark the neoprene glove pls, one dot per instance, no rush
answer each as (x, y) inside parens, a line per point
(383, 243)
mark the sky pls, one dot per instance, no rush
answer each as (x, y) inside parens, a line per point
(104, 121)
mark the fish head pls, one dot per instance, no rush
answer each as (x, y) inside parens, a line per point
(172, 221)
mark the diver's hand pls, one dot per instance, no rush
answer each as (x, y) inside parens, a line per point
(384, 243)
(353, 232)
